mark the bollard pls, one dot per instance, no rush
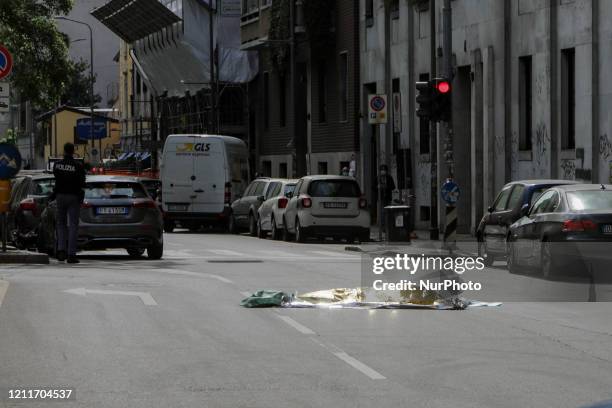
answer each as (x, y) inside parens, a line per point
(450, 231)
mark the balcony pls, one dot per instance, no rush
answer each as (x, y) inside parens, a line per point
(254, 23)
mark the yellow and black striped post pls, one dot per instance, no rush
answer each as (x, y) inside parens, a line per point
(450, 231)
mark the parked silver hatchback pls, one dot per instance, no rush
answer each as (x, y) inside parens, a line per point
(117, 213)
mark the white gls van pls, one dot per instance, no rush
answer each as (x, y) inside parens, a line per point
(201, 175)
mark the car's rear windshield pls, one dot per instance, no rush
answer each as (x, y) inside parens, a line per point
(110, 190)
(288, 189)
(590, 200)
(43, 187)
(334, 188)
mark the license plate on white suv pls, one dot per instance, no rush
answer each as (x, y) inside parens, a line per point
(111, 210)
(335, 205)
(606, 229)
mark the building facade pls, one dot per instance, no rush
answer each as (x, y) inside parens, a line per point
(529, 99)
(316, 122)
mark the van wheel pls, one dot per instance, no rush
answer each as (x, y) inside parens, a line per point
(168, 226)
(286, 233)
(155, 251)
(252, 225)
(231, 225)
(275, 232)
(300, 234)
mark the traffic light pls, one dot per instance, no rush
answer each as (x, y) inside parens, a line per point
(442, 102)
(425, 100)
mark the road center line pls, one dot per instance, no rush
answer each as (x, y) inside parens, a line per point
(3, 288)
(358, 365)
(297, 326)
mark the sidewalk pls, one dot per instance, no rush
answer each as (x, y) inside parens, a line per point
(15, 256)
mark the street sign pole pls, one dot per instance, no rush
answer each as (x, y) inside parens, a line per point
(377, 115)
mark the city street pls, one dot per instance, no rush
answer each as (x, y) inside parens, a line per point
(171, 333)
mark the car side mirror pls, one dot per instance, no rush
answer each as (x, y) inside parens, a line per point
(524, 210)
(260, 198)
(490, 209)
(289, 195)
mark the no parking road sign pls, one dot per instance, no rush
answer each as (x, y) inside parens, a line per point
(377, 109)
(6, 62)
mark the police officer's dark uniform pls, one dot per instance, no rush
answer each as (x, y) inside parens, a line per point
(69, 183)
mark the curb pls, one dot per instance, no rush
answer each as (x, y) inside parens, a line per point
(23, 257)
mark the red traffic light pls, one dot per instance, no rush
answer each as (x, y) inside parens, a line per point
(443, 87)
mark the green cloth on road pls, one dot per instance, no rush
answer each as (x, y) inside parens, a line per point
(266, 298)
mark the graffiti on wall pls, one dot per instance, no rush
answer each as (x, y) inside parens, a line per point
(569, 169)
(541, 143)
(605, 146)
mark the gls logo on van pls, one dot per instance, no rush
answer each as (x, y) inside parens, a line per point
(192, 147)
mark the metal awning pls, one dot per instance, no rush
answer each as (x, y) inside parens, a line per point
(132, 20)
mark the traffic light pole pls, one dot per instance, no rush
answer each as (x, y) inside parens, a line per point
(434, 232)
(448, 73)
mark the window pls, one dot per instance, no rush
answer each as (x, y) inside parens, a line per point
(424, 140)
(344, 87)
(266, 168)
(114, 190)
(322, 168)
(369, 13)
(394, 9)
(525, 100)
(266, 100)
(282, 103)
(258, 188)
(282, 170)
(502, 199)
(424, 213)
(334, 188)
(542, 204)
(395, 88)
(515, 197)
(568, 99)
(322, 93)
(590, 200)
(273, 190)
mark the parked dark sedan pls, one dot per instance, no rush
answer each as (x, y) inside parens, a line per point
(244, 210)
(117, 213)
(567, 225)
(29, 198)
(512, 201)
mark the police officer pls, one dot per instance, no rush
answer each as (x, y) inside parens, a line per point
(69, 183)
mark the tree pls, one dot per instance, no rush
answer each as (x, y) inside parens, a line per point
(78, 86)
(41, 64)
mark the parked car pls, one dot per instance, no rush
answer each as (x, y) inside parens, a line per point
(117, 213)
(152, 185)
(513, 198)
(270, 213)
(244, 210)
(323, 206)
(201, 176)
(30, 198)
(553, 233)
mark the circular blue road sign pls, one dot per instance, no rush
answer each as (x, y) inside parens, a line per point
(450, 192)
(10, 161)
(377, 103)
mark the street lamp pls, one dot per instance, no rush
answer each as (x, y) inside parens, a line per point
(91, 77)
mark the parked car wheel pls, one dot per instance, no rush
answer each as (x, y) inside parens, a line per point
(260, 232)
(155, 251)
(135, 252)
(275, 232)
(252, 225)
(286, 233)
(547, 264)
(487, 258)
(231, 225)
(513, 266)
(300, 234)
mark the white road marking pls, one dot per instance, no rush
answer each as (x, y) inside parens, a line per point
(358, 365)
(330, 253)
(220, 278)
(225, 252)
(146, 297)
(297, 326)
(3, 288)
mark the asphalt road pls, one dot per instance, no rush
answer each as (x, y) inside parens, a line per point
(171, 333)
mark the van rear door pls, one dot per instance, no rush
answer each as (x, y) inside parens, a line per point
(177, 186)
(209, 171)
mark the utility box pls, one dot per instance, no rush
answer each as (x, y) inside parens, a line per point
(398, 223)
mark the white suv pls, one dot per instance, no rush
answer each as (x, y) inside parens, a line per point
(327, 206)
